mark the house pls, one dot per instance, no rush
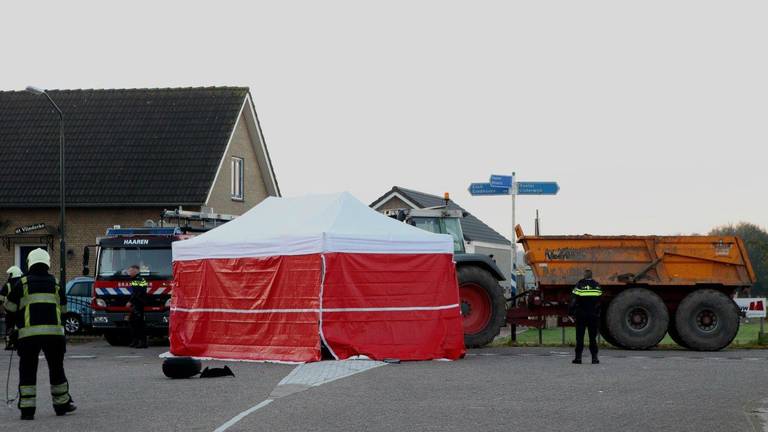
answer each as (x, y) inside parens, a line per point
(130, 154)
(478, 237)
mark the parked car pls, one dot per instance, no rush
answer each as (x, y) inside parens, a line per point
(79, 314)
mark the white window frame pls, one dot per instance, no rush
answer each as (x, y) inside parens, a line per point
(237, 178)
(18, 247)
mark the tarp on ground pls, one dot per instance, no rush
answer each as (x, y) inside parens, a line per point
(292, 272)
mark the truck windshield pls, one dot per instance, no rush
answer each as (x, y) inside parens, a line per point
(153, 263)
(450, 226)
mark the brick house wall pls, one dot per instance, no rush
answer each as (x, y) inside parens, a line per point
(84, 225)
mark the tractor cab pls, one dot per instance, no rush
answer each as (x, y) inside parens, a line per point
(438, 220)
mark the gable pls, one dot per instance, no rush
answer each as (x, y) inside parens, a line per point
(245, 145)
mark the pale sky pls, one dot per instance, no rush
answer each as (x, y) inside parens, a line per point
(650, 115)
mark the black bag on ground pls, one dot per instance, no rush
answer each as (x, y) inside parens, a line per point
(181, 367)
(217, 372)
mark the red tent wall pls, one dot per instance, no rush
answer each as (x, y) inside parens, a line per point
(423, 284)
(247, 308)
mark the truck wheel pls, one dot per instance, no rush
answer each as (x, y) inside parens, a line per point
(72, 323)
(675, 335)
(482, 305)
(707, 320)
(117, 338)
(637, 318)
(606, 334)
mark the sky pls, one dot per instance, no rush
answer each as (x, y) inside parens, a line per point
(650, 115)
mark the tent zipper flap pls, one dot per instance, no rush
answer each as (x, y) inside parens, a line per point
(322, 288)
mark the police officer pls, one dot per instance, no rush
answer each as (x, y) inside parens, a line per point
(37, 302)
(136, 303)
(585, 307)
(14, 273)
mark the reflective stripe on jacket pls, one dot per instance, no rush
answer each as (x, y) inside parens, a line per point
(38, 302)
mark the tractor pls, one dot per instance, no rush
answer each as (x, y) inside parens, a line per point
(483, 306)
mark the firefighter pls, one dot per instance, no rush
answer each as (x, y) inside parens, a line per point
(14, 273)
(585, 307)
(37, 302)
(136, 303)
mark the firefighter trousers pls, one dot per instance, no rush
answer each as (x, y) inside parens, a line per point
(53, 347)
(589, 323)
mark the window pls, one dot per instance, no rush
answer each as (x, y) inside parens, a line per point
(237, 178)
(81, 289)
(153, 263)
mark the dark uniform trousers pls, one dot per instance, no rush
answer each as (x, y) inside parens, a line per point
(138, 329)
(590, 323)
(136, 320)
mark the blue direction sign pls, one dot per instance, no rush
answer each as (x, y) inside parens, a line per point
(537, 188)
(486, 189)
(501, 181)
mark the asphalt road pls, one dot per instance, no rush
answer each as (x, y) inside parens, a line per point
(509, 389)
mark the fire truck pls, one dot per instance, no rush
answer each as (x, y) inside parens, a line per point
(148, 247)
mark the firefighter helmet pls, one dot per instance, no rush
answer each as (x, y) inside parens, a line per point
(14, 271)
(38, 256)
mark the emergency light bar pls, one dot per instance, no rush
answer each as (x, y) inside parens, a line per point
(166, 231)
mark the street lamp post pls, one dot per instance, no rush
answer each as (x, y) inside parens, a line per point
(62, 208)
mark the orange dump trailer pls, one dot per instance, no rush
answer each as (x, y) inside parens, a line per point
(652, 285)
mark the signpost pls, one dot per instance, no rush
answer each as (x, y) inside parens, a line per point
(506, 185)
(537, 188)
(501, 181)
(486, 189)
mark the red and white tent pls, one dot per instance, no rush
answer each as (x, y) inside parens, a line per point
(291, 272)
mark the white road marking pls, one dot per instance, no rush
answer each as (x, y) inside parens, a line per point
(240, 416)
(128, 356)
(81, 357)
(306, 376)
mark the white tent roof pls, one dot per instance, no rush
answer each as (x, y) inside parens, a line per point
(307, 225)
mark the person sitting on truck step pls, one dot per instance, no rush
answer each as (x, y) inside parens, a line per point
(585, 307)
(137, 302)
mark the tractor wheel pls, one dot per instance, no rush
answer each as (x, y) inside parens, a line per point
(637, 318)
(707, 320)
(606, 334)
(482, 305)
(117, 337)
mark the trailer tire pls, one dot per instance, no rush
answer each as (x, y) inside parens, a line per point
(637, 319)
(707, 320)
(117, 337)
(482, 305)
(607, 334)
(675, 335)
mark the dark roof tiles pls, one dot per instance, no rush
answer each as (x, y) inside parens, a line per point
(126, 146)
